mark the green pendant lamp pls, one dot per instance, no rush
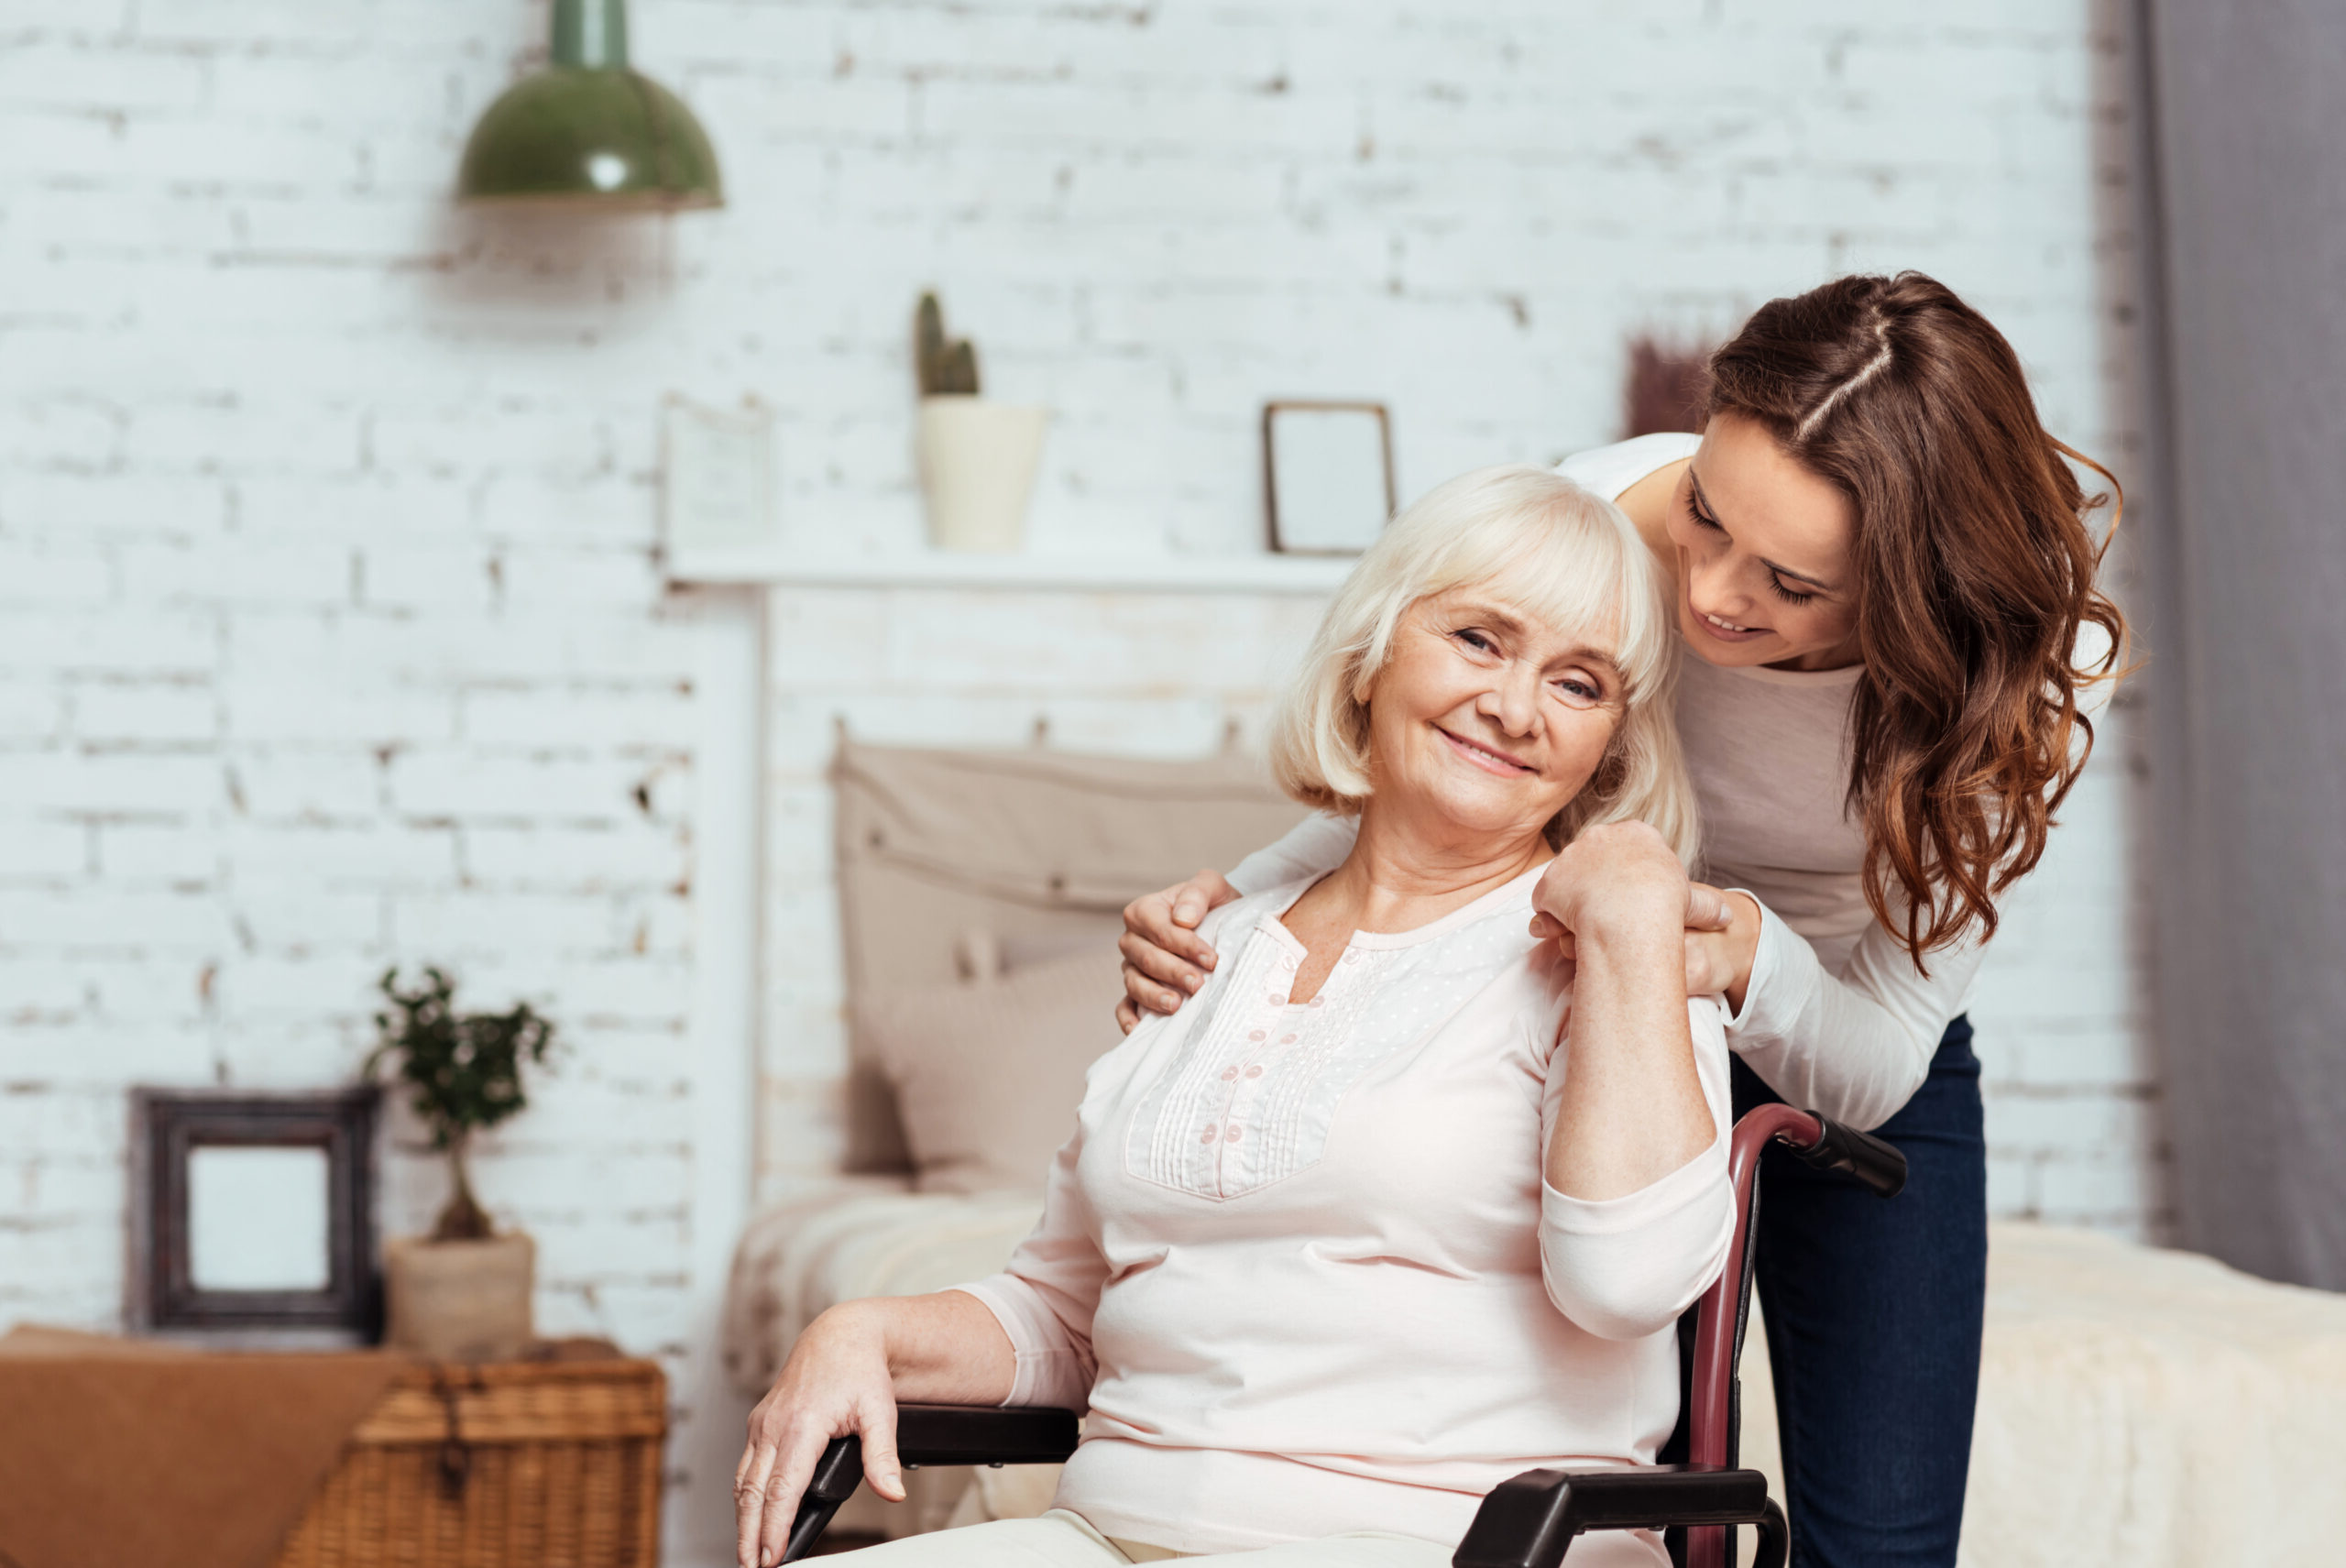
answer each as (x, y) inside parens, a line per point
(589, 132)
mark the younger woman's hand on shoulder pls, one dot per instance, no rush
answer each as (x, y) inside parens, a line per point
(1719, 959)
(1165, 959)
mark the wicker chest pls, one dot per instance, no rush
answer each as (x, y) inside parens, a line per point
(547, 1465)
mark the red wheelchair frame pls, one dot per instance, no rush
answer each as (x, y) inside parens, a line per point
(1528, 1520)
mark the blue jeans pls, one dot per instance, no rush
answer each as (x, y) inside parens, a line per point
(1873, 1311)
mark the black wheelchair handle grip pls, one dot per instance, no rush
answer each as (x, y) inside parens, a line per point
(833, 1483)
(1861, 1155)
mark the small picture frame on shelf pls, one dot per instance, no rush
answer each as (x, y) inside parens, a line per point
(717, 479)
(1327, 475)
(254, 1211)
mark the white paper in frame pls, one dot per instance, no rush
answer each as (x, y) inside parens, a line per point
(718, 485)
(259, 1218)
(1327, 475)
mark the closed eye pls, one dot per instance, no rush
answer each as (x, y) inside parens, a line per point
(1702, 519)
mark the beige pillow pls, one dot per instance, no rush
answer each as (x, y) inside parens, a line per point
(987, 1073)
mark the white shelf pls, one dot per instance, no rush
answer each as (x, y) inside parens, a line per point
(798, 566)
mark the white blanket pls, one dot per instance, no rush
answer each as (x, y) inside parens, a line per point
(2154, 1409)
(2136, 1406)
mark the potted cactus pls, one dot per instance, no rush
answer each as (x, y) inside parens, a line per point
(463, 1293)
(977, 457)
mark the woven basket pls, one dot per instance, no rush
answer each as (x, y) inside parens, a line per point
(553, 1465)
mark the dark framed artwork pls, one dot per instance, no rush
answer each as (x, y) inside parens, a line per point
(1327, 475)
(254, 1211)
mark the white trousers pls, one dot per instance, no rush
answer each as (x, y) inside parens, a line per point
(1062, 1539)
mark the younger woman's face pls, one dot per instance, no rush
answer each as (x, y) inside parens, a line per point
(1485, 718)
(1762, 546)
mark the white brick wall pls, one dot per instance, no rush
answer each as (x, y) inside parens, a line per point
(329, 633)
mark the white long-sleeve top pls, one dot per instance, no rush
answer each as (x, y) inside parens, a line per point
(1836, 1017)
(1300, 1263)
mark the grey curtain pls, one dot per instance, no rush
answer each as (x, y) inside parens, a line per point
(2247, 638)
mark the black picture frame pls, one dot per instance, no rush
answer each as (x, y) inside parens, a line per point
(1280, 545)
(167, 1125)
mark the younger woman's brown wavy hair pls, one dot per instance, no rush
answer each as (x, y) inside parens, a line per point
(1975, 570)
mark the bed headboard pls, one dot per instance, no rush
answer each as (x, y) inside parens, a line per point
(1031, 852)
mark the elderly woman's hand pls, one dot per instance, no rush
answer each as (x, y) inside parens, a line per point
(843, 1379)
(836, 1384)
(1614, 874)
(1633, 1108)
(1722, 929)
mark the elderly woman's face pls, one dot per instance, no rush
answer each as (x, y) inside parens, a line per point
(1488, 717)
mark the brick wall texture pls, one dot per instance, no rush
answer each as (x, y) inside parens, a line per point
(332, 633)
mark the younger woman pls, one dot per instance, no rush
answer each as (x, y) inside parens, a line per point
(1882, 569)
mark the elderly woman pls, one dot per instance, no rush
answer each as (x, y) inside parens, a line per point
(1366, 1229)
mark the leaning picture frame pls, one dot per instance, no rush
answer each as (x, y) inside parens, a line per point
(254, 1211)
(1326, 474)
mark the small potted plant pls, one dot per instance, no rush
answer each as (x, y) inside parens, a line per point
(977, 457)
(463, 1293)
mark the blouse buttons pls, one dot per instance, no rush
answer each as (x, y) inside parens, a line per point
(1287, 1039)
(1257, 1033)
(1208, 1136)
(1228, 1073)
(1232, 1136)
(1254, 1072)
(1351, 957)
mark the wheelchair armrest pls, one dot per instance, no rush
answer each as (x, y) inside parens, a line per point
(985, 1434)
(934, 1434)
(1529, 1520)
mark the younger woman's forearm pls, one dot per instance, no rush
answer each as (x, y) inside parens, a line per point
(1631, 1109)
(1855, 1045)
(1313, 847)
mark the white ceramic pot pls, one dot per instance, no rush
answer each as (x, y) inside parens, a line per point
(977, 469)
(459, 1300)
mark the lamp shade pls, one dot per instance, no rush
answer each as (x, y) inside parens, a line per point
(587, 130)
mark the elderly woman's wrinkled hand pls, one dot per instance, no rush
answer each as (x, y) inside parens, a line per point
(1612, 864)
(836, 1384)
(1615, 876)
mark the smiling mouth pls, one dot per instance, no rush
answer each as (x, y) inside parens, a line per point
(1726, 630)
(1483, 757)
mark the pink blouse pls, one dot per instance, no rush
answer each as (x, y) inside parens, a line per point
(1301, 1263)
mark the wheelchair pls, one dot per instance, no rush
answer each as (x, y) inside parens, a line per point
(1692, 1494)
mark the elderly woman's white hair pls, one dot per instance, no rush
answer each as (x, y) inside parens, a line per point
(1547, 547)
